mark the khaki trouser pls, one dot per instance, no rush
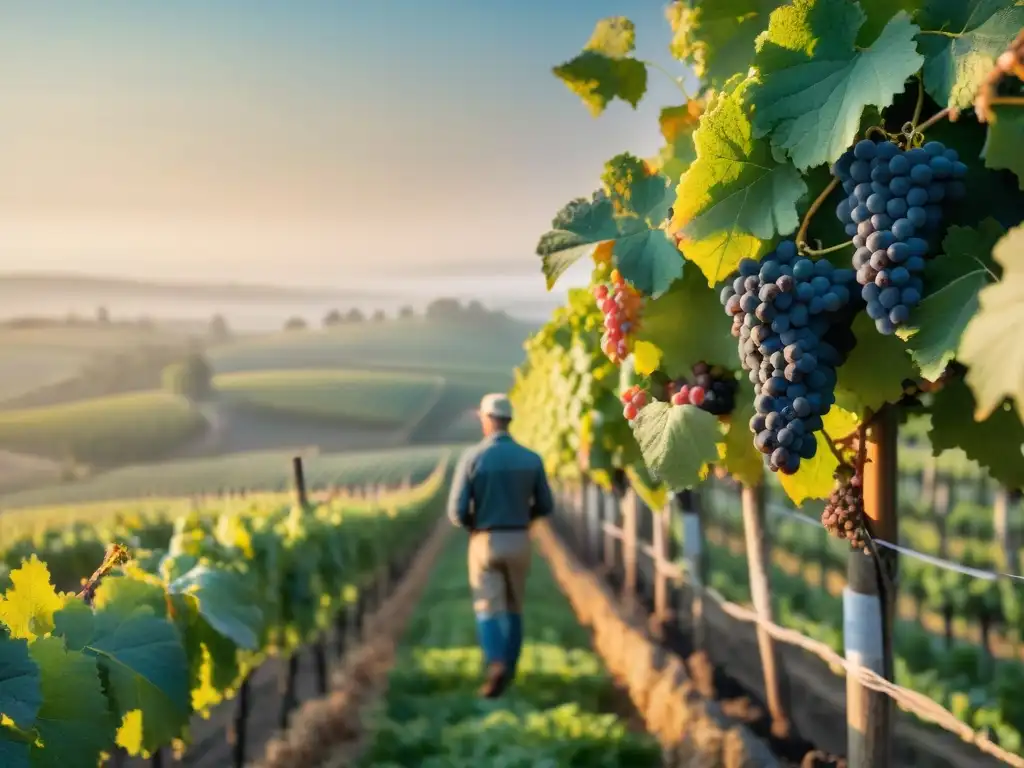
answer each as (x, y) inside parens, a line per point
(498, 564)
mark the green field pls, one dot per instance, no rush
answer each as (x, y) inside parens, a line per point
(257, 471)
(35, 357)
(417, 344)
(365, 397)
(103, 431)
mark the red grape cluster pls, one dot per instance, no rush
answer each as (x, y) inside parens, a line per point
(844, 512)
(712, 389)
(620, 303)
(633, 399)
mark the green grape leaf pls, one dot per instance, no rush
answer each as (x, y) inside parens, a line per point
(145, 667)
(688, 325)
(226, 601)
(604, 70)
(994, 443)
(1003, 141)
(20, 694)
(629, 216)
(74, 722)
(677, 126)
(878, 13)
(14, 750)
(875, 370)
(676, 442)
(27, 608)
(577, 229)
(952, 284)
(126, 593)
(815, 478)
(736, 195)
(961, 40)
(815, 83)
(737, 453)
(717, 36)
(990, 347)
(648, 259)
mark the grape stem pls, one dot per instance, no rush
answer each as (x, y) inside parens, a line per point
(947, 112)
(1007, 100)
(832, 447)
(801, 235)
(920, 101)
(677, 81)
(806, 250)
(116, 555)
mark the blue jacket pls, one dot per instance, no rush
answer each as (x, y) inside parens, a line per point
(499, 484)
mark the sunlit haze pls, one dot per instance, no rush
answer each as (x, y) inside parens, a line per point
(260, 143)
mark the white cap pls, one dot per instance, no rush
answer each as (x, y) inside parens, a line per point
(496, 405)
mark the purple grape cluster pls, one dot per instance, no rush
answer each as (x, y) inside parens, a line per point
(844, 512)
(782, 310)
(893, 205)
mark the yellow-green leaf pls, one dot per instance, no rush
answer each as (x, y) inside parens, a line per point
(736, 196)
(814, 479)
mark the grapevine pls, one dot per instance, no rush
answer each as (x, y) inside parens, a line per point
(844, 195)
(826, 316)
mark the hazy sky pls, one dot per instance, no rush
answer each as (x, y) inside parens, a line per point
(303, 141)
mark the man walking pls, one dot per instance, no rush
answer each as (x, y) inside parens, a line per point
(499, 488)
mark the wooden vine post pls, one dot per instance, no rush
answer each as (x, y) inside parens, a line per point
(869, 600)
(630, 513)
(580, 514)
(758, 553)
(299, 482)
(610, 518)
(1001, 523)
(688, 504)
(659, 545)
(594, 518)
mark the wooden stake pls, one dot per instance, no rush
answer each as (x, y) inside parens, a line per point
(629, 542)
(659, 545)
(868, 603)
(760, 590)
(237, 734)
(299, 479)
(688, 505)
(610, 516)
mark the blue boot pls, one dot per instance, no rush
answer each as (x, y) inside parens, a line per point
(491, 633)
(515, 643)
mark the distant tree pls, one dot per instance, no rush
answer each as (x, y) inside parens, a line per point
(295, 324)
(406, 312)
(444, 309)
(332, 318)
(102, 315)
(191, 378)
(219, 330)
(354, 315)
(379, 316)
(476, 308)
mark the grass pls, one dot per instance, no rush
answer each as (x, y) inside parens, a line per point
(365, 397)
(102, 431)
(417, 344)
(556, 713)
(255, 471)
